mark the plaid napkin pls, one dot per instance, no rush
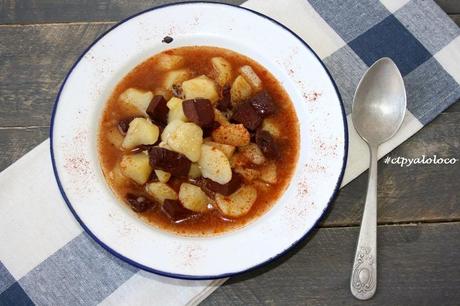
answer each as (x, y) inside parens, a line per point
(46, 258)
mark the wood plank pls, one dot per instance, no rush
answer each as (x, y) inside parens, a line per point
(18, 141)
(455, 18)
(449, 6)
(31, 11)
(410, 194)
(33, 63)
(454, 108)
(417, 264)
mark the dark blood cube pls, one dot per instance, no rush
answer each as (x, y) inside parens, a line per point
(263, 104)
(175, 211)
(224, 189)
(267, 144)
(247, 115)
(199, 111)
(139, 203)
(123, 124)
(157, 110)
(225, 103)
(169, 161)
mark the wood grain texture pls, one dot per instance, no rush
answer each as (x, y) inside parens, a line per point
(47, 11)
(33, 63)
(18, 141)
(449, 6)
(419, 193)
(417, 264)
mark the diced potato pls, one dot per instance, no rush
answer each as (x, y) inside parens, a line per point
(247, 173)
(164, 145)
(170, 61)
(226, 149)
(187, 139)
(241, 90)
(268, 173)
(116, 176)
(200, 87)
(193, 198)
(215, 165)
(171, 127)
(162, 176)
(161, 192)
(175, 77)
(140, 131)
(223, 70)
(253, 153)
(232, 134)
(176, 112)
(270, 126)
(137, 99)
(250, 75)
(136, 167)
(220, 117)
(238, 203)
(194, 171)
(114, 137)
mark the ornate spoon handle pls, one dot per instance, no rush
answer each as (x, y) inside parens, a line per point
(363, 281)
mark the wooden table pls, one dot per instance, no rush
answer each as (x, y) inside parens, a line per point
(419, 207)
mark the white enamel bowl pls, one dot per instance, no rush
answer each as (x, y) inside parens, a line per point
(78, 109)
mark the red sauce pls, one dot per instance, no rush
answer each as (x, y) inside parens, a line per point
(146, 76)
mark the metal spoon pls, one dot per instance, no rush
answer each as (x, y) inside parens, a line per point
(378, 111)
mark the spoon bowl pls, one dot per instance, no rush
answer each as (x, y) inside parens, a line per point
(379, 104)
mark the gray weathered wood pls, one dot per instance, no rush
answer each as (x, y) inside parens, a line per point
(415, 193)
(30, 11)
(418, 265)
(17, 142)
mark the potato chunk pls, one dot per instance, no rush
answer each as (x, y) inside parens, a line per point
(220, 117)
(253, 153)
(170, 61)
(187, 139)
(232, 134)
(136, 167)
(215, 165)
(136, 98)
(175, 77)
(194, 171)
(200, 87)
(171, 127)
(161, 192)
(162, 176)
(140, 131)
(271, 127)
(241, 90)
(223, 70)
(247, 173)
(238, 203)
(193, 198)
(176, 111)
(250, 75)
(226, 149)
(114, 137)
(268, 173)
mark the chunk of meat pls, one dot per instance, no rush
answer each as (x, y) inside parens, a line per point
(246, 114)
(225, 103)
(224, 189)
(263, 104)
(169, 161)
(123, 124)
(199, 111)
(175, 211)
(139, 203)
(267, 144)
(157, 110)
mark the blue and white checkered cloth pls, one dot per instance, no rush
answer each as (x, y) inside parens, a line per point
(46, 258)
